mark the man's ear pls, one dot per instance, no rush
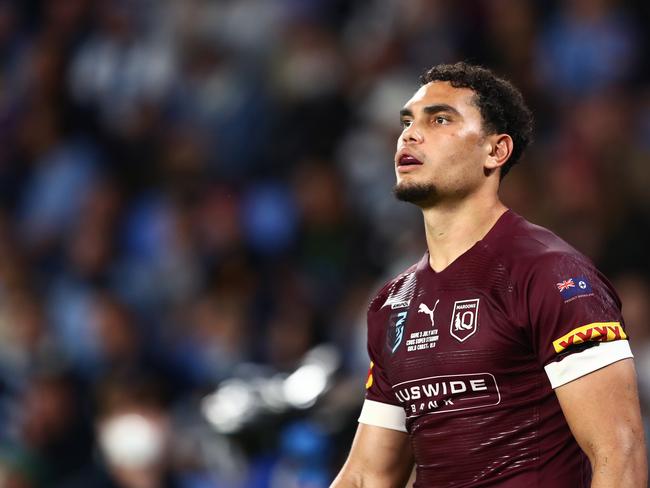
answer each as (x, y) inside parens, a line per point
(500, 150)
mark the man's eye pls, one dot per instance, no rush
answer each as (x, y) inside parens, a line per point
(441, 120)
(406, 123)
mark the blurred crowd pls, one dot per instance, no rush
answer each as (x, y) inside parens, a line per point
(193, 191)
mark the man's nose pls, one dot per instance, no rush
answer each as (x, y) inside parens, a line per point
(411, 135)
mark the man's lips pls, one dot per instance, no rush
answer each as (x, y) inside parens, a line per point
(406, 159)
(407, 162)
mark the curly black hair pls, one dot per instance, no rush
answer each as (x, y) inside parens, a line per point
(501, 105)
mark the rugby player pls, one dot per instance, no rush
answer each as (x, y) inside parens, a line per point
(500, 359)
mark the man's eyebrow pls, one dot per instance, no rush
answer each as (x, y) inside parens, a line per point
(431, 109)
(440, 107)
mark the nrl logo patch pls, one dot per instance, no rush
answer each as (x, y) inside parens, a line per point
(404, 304)
(464, 319)
(395, 332)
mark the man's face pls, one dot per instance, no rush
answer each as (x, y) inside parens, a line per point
(442, 148)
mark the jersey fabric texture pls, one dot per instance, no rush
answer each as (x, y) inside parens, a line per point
(465, 360)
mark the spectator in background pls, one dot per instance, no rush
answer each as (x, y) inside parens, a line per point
(133, 433)
(588, 46)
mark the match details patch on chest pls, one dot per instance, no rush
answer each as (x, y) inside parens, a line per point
(464, 319)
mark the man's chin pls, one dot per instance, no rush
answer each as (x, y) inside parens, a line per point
(418, 194)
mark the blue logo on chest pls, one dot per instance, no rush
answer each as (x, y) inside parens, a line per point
(395, 332)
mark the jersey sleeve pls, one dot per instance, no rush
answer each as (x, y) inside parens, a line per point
(575, 318)
(380, 407)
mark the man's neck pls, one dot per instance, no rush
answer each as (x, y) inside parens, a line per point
(453, 229)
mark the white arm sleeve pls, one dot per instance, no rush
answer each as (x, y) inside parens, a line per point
(383, 415)
(581, 363)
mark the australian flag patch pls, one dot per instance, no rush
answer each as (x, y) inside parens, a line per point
(573, 287)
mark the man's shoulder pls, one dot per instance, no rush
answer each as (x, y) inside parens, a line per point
(530, 246)
(397, 291)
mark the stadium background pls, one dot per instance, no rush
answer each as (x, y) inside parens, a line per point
(195, 206)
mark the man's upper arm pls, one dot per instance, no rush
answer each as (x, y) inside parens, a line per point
(602, 410)
(379, 458)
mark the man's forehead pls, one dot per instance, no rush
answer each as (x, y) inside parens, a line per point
(441, 92)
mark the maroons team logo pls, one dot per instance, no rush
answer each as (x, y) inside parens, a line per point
(395, 332)
(464, 319)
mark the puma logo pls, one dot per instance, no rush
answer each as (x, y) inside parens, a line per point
(423, 308)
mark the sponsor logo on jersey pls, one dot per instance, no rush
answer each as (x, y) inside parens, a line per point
(574, 287)
(449, 393)
(595, 332)
(424, 308)
(424, 339)
(369, 379)
(464, 319)
(395, 332)
(404, 304)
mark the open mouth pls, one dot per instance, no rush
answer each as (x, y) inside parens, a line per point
(408, 160)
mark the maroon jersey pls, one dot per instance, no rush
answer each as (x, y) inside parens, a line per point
(465, 360)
